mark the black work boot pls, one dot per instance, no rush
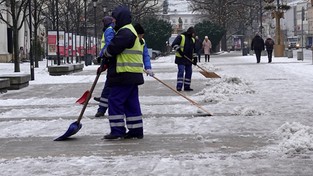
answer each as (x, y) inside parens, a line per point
(111, 137)
(132, 136)
(99, 114)
(188, 89)
(97, 99)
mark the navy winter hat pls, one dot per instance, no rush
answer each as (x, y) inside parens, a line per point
(191, 30)
(139, 29)
(107, 20)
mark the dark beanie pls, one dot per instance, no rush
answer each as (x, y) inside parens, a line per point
(107, 20)
(139, 29)
(191, 30)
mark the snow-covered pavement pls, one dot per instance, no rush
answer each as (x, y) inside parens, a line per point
(261, 123)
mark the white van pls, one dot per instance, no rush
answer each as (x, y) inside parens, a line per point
(172, 38)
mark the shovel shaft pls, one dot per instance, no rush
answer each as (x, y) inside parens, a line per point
(196, 64)
(191, 101)
(88, 98)
(200, 67)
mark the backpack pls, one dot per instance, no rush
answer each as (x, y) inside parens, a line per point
(270, 42)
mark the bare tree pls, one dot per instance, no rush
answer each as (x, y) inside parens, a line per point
(16, 11)
(140, 8)
(37, 13)
(232, 15)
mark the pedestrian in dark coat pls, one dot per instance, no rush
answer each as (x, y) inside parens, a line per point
(269, 45)
(184, 45)
(257, 45)
(198, 48)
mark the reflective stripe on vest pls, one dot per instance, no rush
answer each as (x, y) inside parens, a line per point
(102, 41)
(182, 44)
(130, 60)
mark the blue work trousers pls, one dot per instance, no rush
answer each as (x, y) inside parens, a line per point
(103, 104)
(184, 76)
(124, 103)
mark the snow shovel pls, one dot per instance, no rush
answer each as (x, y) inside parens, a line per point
(191, 101)
(76, 126)
(83, 98)
(205, 73)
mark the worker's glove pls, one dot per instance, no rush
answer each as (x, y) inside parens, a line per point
(150, 72)
(99, 60)
(194, 59)
(101, 69)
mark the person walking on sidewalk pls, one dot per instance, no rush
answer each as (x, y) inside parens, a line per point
(198, 48)
(207, 45)
(269, 45)
(257, 45)
(125, 73)
(108, 34)
(184, 45)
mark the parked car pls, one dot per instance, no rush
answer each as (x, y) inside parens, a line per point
(308, 46)
(293, 45)
(155, 54)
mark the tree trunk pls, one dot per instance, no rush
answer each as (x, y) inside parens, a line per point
(224, 43)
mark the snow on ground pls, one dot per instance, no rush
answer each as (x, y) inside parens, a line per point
(269, 99)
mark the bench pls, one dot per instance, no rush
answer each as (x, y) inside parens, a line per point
(58, 70)
(4, 85)
(78, 67)
(17, 81)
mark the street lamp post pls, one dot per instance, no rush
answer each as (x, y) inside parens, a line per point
(104, 10)
(278, 13)
(95, 14)
(32, 74)
(58, 35)
(85, 25)
(261, 18)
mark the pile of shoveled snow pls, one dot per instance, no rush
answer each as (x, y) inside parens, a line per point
(295, 138)
(217, 90)
(248, 111)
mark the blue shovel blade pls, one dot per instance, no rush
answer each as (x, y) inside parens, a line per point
(73, 129)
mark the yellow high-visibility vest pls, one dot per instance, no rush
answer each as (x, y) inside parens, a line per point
(130, 60)
(182, 44)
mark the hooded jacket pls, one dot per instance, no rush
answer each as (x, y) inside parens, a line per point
(123, 39)
(189, 47)
(107, 36)
(257, 43)
(269, 44)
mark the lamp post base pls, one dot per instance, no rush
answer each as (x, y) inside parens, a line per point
(279, 50)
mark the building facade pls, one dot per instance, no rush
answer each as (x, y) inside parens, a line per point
(6, 39)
